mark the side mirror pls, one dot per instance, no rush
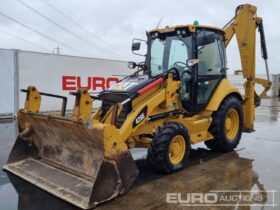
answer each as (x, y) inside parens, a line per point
(136, 46)
(205, 39)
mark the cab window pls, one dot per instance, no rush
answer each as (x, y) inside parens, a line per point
(211, 66)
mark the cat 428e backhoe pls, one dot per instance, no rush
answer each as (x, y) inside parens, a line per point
(179, 96)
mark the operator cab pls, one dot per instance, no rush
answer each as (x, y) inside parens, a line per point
(196, 54)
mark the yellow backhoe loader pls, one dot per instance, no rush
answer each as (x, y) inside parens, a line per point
(179, 96)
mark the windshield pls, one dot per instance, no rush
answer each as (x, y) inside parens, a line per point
(168, 52)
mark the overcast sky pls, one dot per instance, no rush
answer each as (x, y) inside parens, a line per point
(103, 27)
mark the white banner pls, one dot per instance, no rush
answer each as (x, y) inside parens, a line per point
(6, 82)
(59, 75)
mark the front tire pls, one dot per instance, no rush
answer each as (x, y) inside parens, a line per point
(227, 126)
(170, 148)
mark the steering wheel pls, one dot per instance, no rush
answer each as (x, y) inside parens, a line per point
(180, 64)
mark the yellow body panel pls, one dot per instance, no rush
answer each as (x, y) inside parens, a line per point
(197, 126)
(224, 89)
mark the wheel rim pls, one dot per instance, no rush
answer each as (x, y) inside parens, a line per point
(232, 124)
(176, 150)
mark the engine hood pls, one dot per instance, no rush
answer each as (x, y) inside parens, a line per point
(129, 85)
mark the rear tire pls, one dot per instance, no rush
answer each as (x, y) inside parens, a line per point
(170, 148)
(227, 126)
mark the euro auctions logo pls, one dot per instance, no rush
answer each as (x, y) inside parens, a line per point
(224, 198)
(91, 83)
(192, 198)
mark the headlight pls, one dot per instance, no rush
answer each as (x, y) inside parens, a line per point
(131, 65)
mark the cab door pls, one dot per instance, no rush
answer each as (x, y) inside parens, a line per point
(211, 67)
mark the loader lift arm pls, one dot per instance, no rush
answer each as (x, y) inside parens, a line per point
(244, 25)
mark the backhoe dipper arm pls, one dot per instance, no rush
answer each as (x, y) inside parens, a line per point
(244, 26)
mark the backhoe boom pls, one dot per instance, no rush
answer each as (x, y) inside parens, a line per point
(244, 26)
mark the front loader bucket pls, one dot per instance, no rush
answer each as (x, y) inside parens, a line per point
(67, 159)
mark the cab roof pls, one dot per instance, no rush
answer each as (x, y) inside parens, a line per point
(192, 28)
